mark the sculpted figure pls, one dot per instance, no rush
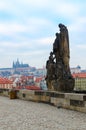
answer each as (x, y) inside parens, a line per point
(64, 46)
(56, 47)
(58, 70)
(50, 66)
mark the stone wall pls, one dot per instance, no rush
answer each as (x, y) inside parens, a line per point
(73, 101)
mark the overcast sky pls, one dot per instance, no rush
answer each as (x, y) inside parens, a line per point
(28, 27)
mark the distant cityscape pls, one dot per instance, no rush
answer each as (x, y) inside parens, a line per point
(20, 68)
(24, 76)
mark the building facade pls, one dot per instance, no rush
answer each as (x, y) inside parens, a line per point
(80, 81)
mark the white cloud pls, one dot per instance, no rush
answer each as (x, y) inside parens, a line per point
(36, 3)
(45, 41)
(66, 9)
(78, 25)
(32, 26)
(10, 28)
(3, 5)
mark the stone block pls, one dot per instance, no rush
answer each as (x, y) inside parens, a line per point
(53, 101)
(59, 102)
(74, 96)
(57, 94)
(6, 93)
(19, 95)
(27, 91)
(40, 92)
(36, 98)
(85, 104)
(80, 109)
(45, 98)
(84, 97)
(77, 103)
(66, 103)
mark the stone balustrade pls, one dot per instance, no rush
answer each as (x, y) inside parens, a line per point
(73, 101)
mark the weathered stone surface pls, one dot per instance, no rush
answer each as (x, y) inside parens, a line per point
(84, 97)
(57, 94)
(75, 96)
(77, 103)
(45, 99)
(27, 91)
(65, 85)
(53, 101)
(58, 76)
(85, 104)
(59, 99)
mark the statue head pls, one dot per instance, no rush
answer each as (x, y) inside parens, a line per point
(51, 53)
(60, 25)
(57, 34)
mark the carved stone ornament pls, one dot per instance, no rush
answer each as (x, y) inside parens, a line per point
(58, 77)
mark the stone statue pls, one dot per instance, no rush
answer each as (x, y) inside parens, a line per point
(50, 66)
(59, 76)
(64, 47)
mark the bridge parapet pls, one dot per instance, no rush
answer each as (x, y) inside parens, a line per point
(73, 101)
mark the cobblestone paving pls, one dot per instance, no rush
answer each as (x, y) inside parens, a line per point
(25, 115)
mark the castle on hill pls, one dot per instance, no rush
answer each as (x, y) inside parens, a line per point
(17, 64)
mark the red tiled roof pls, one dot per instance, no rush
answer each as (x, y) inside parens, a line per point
(5, 81)
(26, 77)
(79, 75)
(38, 79)
(29, 87)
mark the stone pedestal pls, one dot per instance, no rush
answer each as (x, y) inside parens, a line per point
(63, 85)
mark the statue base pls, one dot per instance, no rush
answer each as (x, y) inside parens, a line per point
(63, 85)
